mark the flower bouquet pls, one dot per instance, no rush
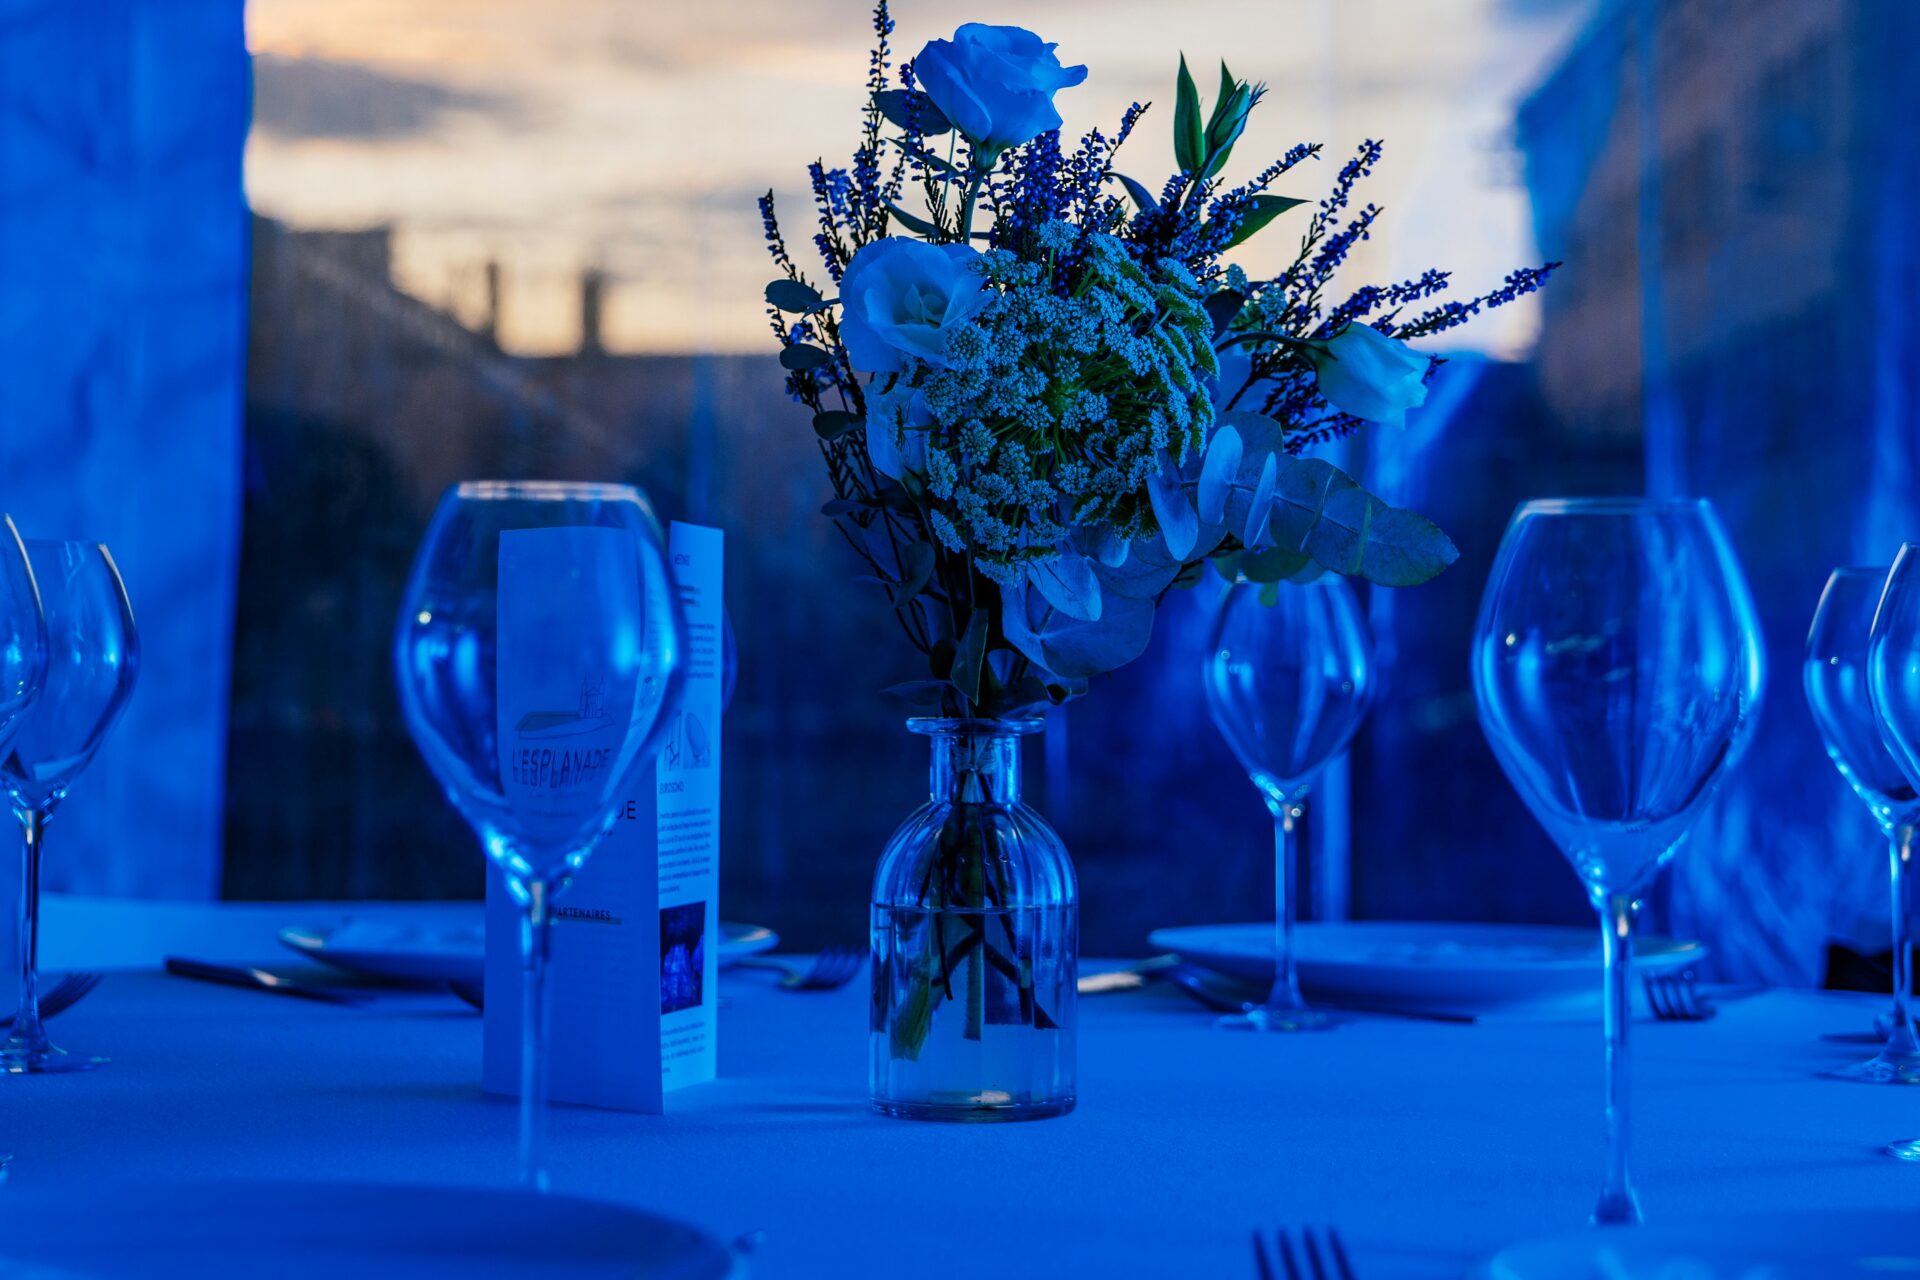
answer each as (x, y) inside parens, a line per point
(1045, 399)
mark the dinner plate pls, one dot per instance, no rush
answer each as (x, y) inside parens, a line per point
(297, 1230)
(1806, 1245)
(1461, 967)
(451, 945)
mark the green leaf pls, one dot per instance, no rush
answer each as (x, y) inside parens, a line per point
(1223, 307)
(1259, 212)
(791, 295)
(915, 223)
(831, 424)
(1189, 131)
(844, 507)
(1227, 85)
(1229, 122)
(1142, 198)
(916, 570)
(969, 657)
(921, 695)
(800, 357)
(926, 119)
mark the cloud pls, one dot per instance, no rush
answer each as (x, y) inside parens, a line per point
(310, 97)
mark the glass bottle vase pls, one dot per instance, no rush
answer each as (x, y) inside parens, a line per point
(975, 933)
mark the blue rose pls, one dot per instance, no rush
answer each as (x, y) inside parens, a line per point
(897, 297)
(1363, 372)
(995, 83)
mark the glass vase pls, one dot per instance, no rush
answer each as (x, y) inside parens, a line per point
(975, 932)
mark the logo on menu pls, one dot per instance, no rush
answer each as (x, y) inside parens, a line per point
(547, 759)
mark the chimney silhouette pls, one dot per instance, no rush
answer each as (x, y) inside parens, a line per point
(490, 326)
(593, 290)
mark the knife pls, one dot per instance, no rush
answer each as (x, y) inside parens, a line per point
(255, 980)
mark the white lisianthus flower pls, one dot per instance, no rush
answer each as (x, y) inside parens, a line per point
(1363, 372)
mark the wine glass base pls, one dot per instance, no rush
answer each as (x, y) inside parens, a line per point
(1268, 1018)
(1908, 1150)
(1616, 1209)
(1884, 1069)
(46, 1062)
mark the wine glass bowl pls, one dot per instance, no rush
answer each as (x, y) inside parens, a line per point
(1618, 672)
(23, 632)
(93, 657)
(540, 655)
(1288, 679)
(1835, 677)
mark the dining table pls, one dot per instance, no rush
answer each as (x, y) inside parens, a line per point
(1429, 1145)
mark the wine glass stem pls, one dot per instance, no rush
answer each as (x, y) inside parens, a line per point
(27, 1031)
(1286, 986)
(1618, 1204)
(536, 932)
(1900, 1038)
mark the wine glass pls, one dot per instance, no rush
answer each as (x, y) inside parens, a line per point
(1288, 683)
(1835, 676)
(540, 654)
(1618, 669)
(23, 632)
(93, 655)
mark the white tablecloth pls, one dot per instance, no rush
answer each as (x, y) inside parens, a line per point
(1428, 1145)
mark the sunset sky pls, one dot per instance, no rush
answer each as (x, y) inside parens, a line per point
(556, 135)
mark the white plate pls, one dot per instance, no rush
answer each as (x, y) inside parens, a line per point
(295, 1230)
(451, 946)
(1463, 967)
(1828, 1245)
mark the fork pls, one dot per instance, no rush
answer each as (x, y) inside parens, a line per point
(1325, 1257)
(64, 994)
(831, 969)
(1674, 997)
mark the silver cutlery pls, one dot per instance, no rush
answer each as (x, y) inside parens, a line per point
(1675, 997)
(831, 969)
(1320, 1257)
(1130, 978)
(64, 994)
(1227, 995)
(257, 980)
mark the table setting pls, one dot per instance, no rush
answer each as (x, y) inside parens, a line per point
(1046, 401)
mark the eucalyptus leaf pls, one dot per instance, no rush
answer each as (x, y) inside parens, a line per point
(926, 119)
(1217, 473)
(1258, 212)
(791, 295)
(1069, 584)
(1189, 131)
(1070, 647)
(1362, 536)
(1144, 575)
(831, 424)
(1273, 564)
(916, 570)
(800, 357)
(1261, 505)
(1179, 524)
(1320, 510)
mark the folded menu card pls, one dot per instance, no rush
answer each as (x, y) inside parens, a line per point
(631, 984)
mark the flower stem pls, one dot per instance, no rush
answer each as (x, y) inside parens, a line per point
(983, 163)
